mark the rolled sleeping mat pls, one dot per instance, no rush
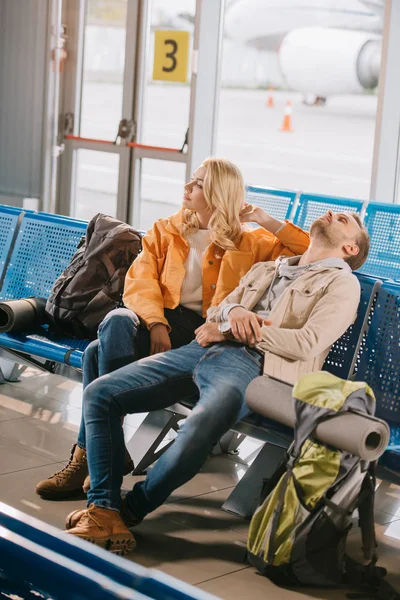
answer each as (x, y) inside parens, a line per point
(22, 315)
(361, 435)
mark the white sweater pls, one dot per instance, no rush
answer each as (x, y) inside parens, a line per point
(192, 289)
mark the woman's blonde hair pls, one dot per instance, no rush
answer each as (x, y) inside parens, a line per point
(224, 192)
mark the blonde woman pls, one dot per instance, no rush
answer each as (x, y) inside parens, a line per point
(190, 261)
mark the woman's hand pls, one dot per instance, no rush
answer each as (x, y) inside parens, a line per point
(255, 214)
(249, 213)
(208, 333)
(159, 339)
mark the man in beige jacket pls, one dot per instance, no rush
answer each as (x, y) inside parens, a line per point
(308, 301)
(283, 317)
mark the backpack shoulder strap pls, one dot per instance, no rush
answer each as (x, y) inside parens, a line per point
(366, 519)
(278, 508)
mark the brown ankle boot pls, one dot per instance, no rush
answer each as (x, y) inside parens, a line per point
(128, 468)
(128, 518)
(105, 528)
(69, 480)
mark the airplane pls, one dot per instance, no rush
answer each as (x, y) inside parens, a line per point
(323, 47)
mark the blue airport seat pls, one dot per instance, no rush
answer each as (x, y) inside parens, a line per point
(278, 203)
(45, 344)
(37, 554)
(312, 206)
(383, 224)
(43, 248)
(379, 365)
(343, 356)
(29, 571)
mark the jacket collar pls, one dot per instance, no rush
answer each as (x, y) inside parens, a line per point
(174, 226)
(175, 223)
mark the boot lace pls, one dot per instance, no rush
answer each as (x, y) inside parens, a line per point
(88, 516)
(70, 469)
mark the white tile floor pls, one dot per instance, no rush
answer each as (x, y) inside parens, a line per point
(189, 537)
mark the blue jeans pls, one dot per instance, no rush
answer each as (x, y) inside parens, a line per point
(218, 376)
(115, 347)
(122, 340)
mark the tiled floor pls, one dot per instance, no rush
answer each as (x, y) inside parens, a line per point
(189, 537)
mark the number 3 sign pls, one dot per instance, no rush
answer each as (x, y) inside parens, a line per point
(171, 52)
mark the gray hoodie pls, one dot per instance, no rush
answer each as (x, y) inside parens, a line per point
(286, 271)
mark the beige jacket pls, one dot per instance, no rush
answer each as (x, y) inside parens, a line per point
(310, 315)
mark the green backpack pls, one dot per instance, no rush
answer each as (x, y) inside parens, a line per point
(298, 534)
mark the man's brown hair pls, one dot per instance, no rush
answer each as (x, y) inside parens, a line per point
(362, 241)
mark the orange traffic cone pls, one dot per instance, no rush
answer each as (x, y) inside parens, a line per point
(287, 117)
(270, 101)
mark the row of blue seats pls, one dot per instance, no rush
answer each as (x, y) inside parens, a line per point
(36, 247)
(37, 561)
(381, 220)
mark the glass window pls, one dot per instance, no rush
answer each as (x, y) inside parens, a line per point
(166, 104)
(96, 184)
(103, 68)
(298, 95)
(161, 192)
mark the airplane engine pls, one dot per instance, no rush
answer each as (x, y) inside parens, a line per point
(327, 62)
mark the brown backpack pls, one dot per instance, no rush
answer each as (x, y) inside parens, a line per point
(93, 282)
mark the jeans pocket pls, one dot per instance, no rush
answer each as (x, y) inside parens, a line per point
(253, 355)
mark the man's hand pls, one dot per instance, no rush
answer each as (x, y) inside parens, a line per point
(246, 325)
(208, 334)
(159, 339)
(254, 214)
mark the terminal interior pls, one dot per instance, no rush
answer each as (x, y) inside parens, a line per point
(99, 115)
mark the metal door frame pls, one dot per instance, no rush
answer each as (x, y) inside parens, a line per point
(203, 100)
(75, 19)
(203, 110)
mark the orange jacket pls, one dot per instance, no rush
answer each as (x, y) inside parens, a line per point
(154, 280)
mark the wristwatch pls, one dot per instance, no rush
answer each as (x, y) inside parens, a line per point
(225, 329)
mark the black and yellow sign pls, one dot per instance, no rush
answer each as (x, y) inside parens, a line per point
(171, 55)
